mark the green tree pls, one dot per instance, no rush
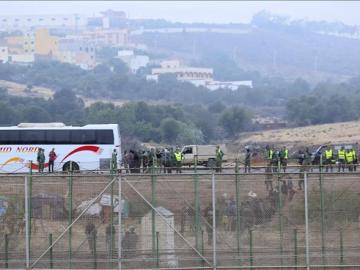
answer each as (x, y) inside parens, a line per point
(235, 120)
(169, 129)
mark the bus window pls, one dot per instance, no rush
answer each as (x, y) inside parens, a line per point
(105, 136)
(83, 137)
(9, 137)
(32, 137)
(58, 137)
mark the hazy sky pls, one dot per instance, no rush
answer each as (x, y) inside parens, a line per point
(194, 11)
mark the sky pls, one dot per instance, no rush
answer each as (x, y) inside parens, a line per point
(194, 11)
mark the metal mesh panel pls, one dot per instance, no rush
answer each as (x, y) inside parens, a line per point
(167, 220)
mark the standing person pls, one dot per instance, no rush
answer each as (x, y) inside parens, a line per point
(110, 236)
(90, 232)
(152, 158)
(158, 158)
(231, 213)
(354, 159)
(52, 158)
(179, 158)
(167, 160)
(268, 169)
(41, 159)
(341, 159)
(125, 162)
(130, 160)
(219, 157)
(291, 189)
(349, 159)
(301, 162)
(284, 155)
(307, 159)
(275, 161)
(247, 160)
(145, 158)
(137, 162)
(114, 161)
(328, 155)
(129, 243)
(208, 214)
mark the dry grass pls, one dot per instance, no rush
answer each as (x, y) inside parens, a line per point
(346, 132)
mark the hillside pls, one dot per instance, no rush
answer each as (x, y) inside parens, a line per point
(272, 52)
(346, 132)
(18, 89)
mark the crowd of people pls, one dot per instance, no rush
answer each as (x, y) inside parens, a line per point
(167, 159)
(144, 160)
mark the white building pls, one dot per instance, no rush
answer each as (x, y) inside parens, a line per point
(22, 58)
(232, 85)
(133, 61)
(24, 22)
(195, 75)
(164, 225)
(108, 37)
(4, 54)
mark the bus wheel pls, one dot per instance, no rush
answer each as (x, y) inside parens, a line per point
(67, 166)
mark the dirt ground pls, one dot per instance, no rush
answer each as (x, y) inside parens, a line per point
(338, 133)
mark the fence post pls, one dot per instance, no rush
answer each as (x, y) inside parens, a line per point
(51, 252)
(111, 215)
(280, 212)
(153, 202)
(306, 221)
(322, 214)
(214, 219)
(202, 249)
(157, 250)
(27, 224)
(341, 248)
(295, 249)
(238, 203)
(30, 207)
(70, 191)
(119, 221)
(251, 253)
(197, 207)
(6, 251)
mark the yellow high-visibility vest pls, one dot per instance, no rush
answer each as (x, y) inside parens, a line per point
(270, 154)
(354, 153)
(328, 154)
(341, 154)
(349, 156)
(178, 156)
(286, 153)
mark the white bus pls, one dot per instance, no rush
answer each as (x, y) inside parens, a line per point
(87, 147)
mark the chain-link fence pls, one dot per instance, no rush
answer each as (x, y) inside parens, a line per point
(261, 220)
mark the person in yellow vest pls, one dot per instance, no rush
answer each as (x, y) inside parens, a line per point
(178, 159)
(349, 159)
(328, 158)
(284, 155)
(341, 159)
(354, 159)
